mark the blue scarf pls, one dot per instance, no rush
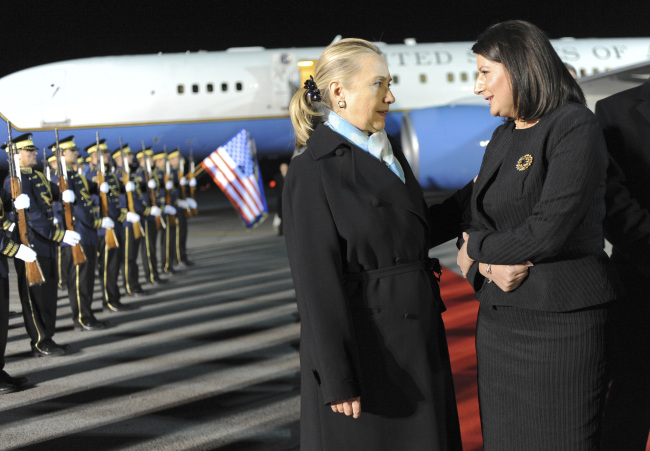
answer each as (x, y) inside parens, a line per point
(376, 144)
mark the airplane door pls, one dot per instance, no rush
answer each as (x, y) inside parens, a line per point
(285, 79)
(54, 105)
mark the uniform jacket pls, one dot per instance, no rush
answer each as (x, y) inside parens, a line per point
(358, 241)
(139, 205)
(113, 196)
(8, 247)
(548, 211)
(85, 221)
(43, 234)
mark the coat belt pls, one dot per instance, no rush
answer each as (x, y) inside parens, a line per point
(431, 264)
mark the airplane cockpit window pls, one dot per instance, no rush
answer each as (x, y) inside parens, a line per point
(209, 87)
(450, 77)
(423, 78)
(224, 87)
(239, 86)
(195, 88)
(180, 89)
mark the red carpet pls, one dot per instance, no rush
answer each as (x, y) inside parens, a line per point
(460, 323)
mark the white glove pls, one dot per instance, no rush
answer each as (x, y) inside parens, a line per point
(156, 211)
(71, 237)
(21, 202)
(26, 254)
(107, 223)
(68, 196)
(151, 184)
(55, 221)
(12, 227)
(169, 185)
(191, 202)
(180, 203)
(130, 186)
(169, 210)
(192, 182)
(104, 187)
(183, 181)
(132, 217)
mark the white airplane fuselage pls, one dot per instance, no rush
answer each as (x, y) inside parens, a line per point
(199, 100)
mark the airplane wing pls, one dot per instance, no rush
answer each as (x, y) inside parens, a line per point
(599, 86)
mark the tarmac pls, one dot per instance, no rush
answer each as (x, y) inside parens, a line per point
(208, 361)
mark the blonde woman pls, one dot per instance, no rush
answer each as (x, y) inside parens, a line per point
(375, 368)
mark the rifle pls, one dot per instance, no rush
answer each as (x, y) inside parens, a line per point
(78, 255)
(181, 173)
(171, 219)
(111, 239)
(33, 269)
(126, 177)
(152, 194)
(46, 167)
(191, 177)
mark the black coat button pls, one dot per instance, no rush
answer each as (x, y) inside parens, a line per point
(398, 260)
(375, 202)
(339, 152)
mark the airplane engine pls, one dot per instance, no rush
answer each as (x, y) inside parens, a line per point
(445, 145)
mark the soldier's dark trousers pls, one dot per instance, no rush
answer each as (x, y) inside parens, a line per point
(181, 236)
(4, 318)
(80, 283)
(148, 251)
(38, 302)
(108, 265)
(168, 246)
(130, 260)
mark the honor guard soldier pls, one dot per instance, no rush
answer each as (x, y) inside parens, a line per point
(184, 206)
(107, 204)
(49, 169)
(167, 198)
(78, 264)
(131, 200)
(150, 182)
(9, 248)
(39, 300)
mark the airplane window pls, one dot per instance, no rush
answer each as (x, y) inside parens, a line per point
(475, 75)
(180, 89)
(463, 76)
(595, 70)
(423, 78)
(195, 88)
(450, 77)
(395, 79)
(224, 87)
(209, 87)
(583, 72)
(239, 86)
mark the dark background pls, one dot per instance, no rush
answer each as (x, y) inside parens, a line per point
(34, 32)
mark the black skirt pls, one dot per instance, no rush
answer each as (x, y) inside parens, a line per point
(541, 378)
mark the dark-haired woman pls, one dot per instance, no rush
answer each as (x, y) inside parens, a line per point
(538, 200)
(375, 372)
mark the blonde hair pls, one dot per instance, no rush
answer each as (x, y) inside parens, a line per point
(339, 61)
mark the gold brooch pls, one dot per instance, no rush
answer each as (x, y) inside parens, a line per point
(524, 162)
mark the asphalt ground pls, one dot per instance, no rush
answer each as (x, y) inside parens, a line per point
(208, 361)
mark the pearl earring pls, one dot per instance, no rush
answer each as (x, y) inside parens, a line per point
(342, 104)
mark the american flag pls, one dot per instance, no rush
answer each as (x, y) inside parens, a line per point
(232, 168)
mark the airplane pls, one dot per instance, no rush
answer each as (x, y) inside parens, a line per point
(199, 100)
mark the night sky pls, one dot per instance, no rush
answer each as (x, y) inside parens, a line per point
(35, 32)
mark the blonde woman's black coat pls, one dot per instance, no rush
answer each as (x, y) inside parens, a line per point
(358, 240)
